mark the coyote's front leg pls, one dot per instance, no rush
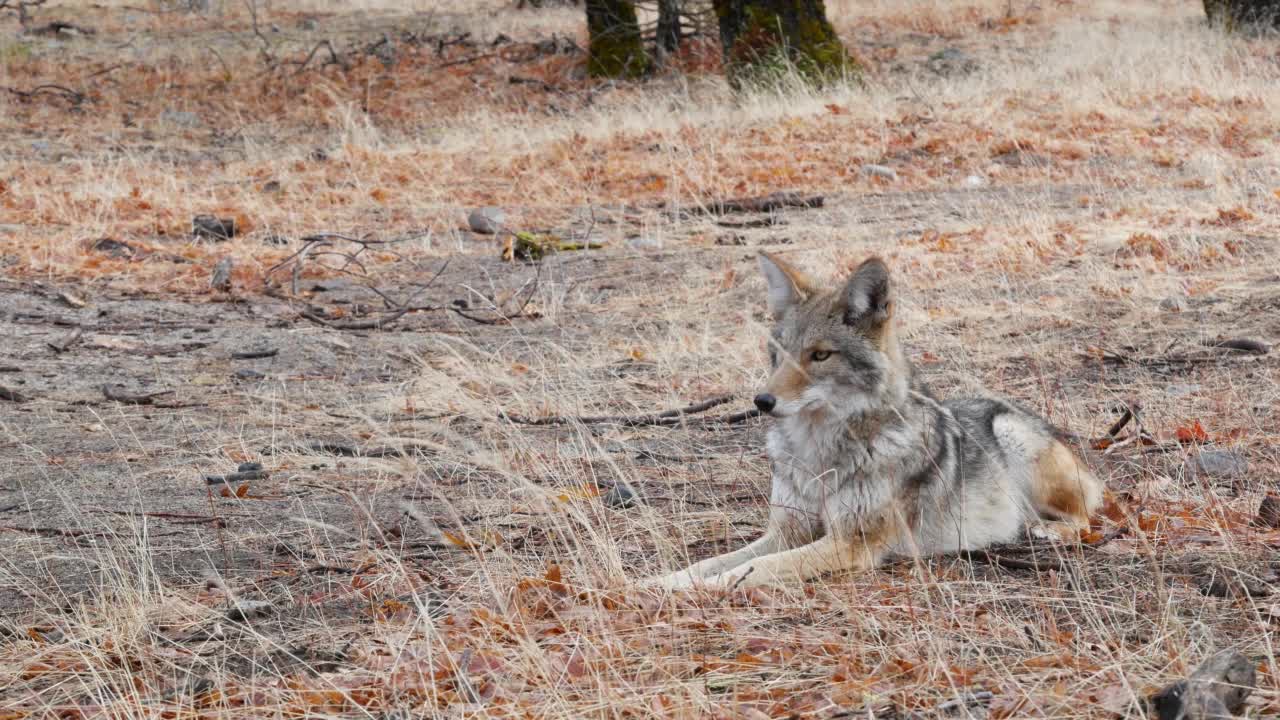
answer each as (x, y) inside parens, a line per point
(861, 550)
(783, 533)
(773, 541)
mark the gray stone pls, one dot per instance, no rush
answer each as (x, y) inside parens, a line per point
(248, 609)
(951, 61)
(880, 171)
(181, 118)
(975, 181)
(619, 495)
(221, 277)
(1182, 389)
(644, 242)
(486, 220)
(213, 228)
(1220, 463)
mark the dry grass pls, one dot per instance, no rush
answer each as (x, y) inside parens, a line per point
(1100, 158)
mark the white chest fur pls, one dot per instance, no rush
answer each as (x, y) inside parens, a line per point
(826, 474)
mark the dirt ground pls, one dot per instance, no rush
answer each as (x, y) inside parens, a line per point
(1079, 202)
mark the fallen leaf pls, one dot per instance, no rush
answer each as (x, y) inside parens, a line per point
(1192, 433)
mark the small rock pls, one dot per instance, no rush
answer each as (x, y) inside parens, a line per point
(319, 155)
(248, 374)
(249, 467)
(41, 146)
(114, 248)
(1220, 463)
(880, 171)
(213, 228)
(271, 186)
(181, 118)
(1173, 303)
(1268, 512)
(1216, 690)
(644, 242)
(951, 61)
(1182, 389)
(71, 300)
(618, 495)
(731, 239)
(248, 609)
(220, 279)
(486, 220)
(975, 181)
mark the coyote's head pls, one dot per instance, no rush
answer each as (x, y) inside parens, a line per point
(833, 351)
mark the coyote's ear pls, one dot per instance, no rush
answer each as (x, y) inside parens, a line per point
(787, 285)
(868, 297)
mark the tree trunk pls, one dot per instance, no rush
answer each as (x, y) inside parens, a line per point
(771, 36)
(668, 27)
(1233, 14)
(616, 49)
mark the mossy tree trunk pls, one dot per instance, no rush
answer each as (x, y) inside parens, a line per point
(761, 37)
(1232, 14)
(616, 49)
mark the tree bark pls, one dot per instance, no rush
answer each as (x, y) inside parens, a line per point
(1234, 14)
(616, 49)
(668, 27)
(761, 37)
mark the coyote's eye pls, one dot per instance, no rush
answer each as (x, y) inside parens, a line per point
(819, 355)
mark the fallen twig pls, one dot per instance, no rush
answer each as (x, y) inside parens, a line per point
(770, 221)
(1255, 347)
(255, 354)
(120, 395)
(58, 26)
(469, 60)
(54, 532)
(236, 477)
(338, 447)
(180, 518)
(1130, 410)
(372, 324)
(666, 417)
(334, 57)
(992, 558)
(764, 203)
(76, 98)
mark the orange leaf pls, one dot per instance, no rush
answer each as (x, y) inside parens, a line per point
(1193, 433)
(554, 580)
(455, 539)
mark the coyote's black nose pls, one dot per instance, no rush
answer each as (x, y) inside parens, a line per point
(765, 402)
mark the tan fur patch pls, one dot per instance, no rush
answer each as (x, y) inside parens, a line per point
(803, 283)
(1063, 487)
(789, 381)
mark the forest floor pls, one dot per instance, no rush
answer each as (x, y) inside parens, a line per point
(1079, 201)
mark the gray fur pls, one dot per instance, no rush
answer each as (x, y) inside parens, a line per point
(865, 461)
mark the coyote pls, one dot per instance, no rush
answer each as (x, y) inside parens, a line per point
(866, 463)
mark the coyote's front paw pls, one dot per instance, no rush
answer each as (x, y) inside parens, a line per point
(680, 580)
